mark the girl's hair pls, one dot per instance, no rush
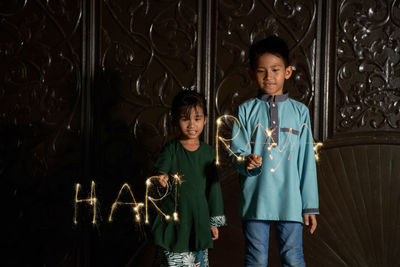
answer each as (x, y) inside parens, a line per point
(188, 99)
(272, 45)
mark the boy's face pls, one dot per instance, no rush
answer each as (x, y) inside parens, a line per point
(271, 73)
(191, 127)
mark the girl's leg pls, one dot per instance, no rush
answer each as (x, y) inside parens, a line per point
(201, 258)
(160, 258)
(256, 234)
(164, 258)
(290, 242)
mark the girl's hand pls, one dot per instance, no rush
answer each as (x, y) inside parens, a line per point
(215, 232)
(310, 219)
(163, 180)
(253, 161)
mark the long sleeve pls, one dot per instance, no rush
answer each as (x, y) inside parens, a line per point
(307, 169)
(214, 197)
(163, 162)
(240, 146)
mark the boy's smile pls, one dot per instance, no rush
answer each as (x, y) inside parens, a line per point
(271, 73)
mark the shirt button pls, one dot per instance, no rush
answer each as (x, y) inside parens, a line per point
(273, 105)
(273, 122)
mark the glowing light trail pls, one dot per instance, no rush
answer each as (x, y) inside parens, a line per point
(92, 201)
(269, 143)
(136, 206)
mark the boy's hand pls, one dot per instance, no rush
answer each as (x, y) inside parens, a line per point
(310, 220)
(162, 180)
(215, 232)
(253, 161)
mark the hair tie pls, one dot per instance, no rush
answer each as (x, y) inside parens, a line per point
(191, 88)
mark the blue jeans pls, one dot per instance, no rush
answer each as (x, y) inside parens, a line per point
(290, 243)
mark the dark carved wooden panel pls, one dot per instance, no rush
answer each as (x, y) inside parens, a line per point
(85, 89)
(360, 189)
(40, 131)
(148, 52)
(367, 67)
(240, 23)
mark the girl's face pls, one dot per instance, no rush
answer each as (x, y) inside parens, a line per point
(191, 127)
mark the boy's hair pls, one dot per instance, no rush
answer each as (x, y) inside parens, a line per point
(189, 99)
(273, 45)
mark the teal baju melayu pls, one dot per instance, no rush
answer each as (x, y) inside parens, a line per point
(285, 186)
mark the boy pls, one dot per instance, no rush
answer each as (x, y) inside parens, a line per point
(277, 162)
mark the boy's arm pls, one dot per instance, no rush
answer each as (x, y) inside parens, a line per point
(307, 168)
(240, 146)
(310, 220)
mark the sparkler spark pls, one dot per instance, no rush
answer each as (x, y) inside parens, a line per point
(268, 134)
(135, 206)
(269, 143)
(176, 180)
(317, 147)
(175, 215)
(92, 201)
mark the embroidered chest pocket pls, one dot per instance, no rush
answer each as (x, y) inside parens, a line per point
(290, 130)
(288, 137)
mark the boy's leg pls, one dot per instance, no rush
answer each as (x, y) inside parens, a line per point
(256, 234)
(290, 242)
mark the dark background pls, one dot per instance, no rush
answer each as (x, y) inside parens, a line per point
(85, 88)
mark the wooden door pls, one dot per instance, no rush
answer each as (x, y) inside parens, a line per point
(85, 92)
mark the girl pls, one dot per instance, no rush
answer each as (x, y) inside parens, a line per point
(200, 206)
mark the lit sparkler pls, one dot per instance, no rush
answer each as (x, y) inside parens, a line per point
(136, 206)
(270, 143)
(177, 180)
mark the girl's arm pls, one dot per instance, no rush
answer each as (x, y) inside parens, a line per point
(215, 232)
(214, 198)
(163, 180)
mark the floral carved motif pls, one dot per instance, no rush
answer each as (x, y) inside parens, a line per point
(40, 77)
(244, 22)
(368, 65)
(149, 53)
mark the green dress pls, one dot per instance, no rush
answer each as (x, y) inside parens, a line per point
(199, 201)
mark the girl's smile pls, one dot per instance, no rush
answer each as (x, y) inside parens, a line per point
(191, 123)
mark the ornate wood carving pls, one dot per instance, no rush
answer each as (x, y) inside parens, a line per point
(148, 53)
(243, 22)
(40, 79)
(40, 131)
(367, 66)
(138, 55)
